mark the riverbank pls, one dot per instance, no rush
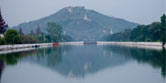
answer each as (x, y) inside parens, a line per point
(24, 47)
(147, 45)
(21, 46)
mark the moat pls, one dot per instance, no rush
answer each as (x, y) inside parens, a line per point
(84, 64)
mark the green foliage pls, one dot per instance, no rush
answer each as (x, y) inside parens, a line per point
(48, 38)
(163, 27)
(13, 58)
(163, 20)
(120, 36)
(28, 39)
(149, 33)
(55, 31)
(40, 38)
(2, 41)
(12, 37)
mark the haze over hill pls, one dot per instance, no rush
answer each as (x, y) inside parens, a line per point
(80, 23)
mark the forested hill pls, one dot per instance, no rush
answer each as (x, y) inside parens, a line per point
(152, 32)
(80, 23)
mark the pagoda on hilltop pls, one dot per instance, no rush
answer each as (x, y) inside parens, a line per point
(3, 25)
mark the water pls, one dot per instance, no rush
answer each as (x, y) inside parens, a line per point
(84, 64)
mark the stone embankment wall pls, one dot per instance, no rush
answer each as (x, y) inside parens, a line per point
(148, 45)
(72, 43)
(20, 46)
(133, 43)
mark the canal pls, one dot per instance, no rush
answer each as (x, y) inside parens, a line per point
(84, 64)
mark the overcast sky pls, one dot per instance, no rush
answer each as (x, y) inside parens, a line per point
(139, 11)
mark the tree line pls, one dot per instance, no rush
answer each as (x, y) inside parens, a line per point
(150, 33)
(12, 36)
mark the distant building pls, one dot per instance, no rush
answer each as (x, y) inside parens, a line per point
(111, 32)
(3, 25)
(69, 9)
(86, 18)
(107, 31)
(64, 32)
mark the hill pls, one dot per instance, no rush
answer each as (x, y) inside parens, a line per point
(80, 23)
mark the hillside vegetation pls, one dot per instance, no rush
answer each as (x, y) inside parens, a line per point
(149, 33)
(80, 23)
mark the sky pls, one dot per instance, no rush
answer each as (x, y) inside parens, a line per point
(15, 12)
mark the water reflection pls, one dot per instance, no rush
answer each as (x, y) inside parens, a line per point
(78, 61)
(74, 61)
(1, 67)
(156, 58)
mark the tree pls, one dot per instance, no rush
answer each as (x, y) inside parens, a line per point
(163, 24)
(38, 31)
(55, 31)
(2, 41)
(3, 25)
(20, 31)
(151, 32)
(28, 39)
(32, 33)
(48, 38)
(12, 37)
(21, 34)
(139, 33)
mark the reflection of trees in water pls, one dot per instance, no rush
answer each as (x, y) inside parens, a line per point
(1, 68)
(73, 61)
(83, 60)
(152, 57)
(78, 61)
(13, 58)
(48, 56)
(163, 69)
(54, 56)
(10, 58)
